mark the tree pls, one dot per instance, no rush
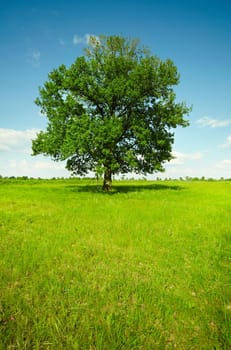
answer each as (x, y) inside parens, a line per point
(113, 111)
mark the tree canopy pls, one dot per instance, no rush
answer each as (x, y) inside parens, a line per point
(112, 111)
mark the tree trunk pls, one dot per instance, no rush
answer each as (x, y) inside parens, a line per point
(107, 180)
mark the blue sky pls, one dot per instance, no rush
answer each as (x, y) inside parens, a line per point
(37, 36)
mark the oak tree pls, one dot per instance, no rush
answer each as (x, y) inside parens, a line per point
(112, 111)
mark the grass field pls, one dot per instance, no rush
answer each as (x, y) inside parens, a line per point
(143, 267)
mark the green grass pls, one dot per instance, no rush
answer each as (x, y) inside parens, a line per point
(143, 267)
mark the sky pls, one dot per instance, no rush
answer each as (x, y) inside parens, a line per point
(38, 36)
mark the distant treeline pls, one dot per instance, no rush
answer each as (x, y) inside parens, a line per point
(187, 178)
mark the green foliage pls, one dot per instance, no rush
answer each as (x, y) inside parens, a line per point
(113, 109)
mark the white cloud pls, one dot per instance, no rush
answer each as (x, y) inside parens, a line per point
(16, 159)
(227, 144)
(224, 164)
(213, 123)
(85, 39)
(181, 158)
(16, 140)
(29, 166)
(224, 168)
(34, 165)
(48, 165)
(78, 40)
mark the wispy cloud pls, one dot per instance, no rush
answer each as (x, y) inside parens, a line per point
(181, 158)
(224, 164)
(16, 140)
(61, 42)
(79, 39)
(16, 159)
(227, 144)
(34, 57)
(85, 39)
(35, 165)
(48, 165)
(30, 167)
(213, 123)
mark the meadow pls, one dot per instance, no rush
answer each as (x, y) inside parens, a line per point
(146, 266)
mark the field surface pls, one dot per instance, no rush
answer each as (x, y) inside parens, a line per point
(146, 266)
